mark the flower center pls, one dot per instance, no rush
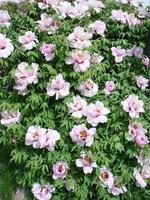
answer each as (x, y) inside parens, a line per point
(61, 168)
(89, 85)
(87, 159)
(104, 175)
(43, 189)
(35, 136)
(83, 135)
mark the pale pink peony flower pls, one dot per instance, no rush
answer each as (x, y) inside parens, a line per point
(80, 10)
(106, 177)
(25, 75)
(51, 137)
(86, 163)
(80, 60)
(109, 87)
(65, 9)
(141, 82)
(117, 189)
(60, 170)
(118, 15)
(77, 107)
(143, 159)
(98, 27)
(136, 129)
(142, 176)
(146, 61)
(141, 140)
(133, 106)
(42, 192)
(47, 24)
(4, 18)
(43, 4)
(28, 40)
(137, 51)
(79, 38)
(88, 88)
(58, 87)
(35, 136)
(96, 59)
(48, 51)
(131, 19)
(137, 134)
(143, 13)
(96, 113)
(124, 17)
(95, 5)
(10, 117)
(118, 53)
(6, 47)
(82, 136)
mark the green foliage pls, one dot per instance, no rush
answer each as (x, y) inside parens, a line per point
(110, 147)
(6, 175)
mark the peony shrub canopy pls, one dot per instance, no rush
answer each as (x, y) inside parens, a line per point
(74, 98)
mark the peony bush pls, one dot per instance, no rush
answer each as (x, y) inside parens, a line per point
(74, 98)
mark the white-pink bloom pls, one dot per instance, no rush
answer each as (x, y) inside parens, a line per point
(65, 9)
(77, 107)
(60, 170)
(109, 87)
(86, 163)
(35, 136)
(137, 51)
(79, 38)
(96, 59)
(80, 60)
(133, 106)
(47, 24)
(137, 134)
(117, 188)
(43, 4)
(118, 15)
(96, 113)
(52, 136)
(118, 53)
(143, 158)
(146, 61)
(136, 129)
(131, 19)
(58, 87)
(141, 140)
(4, 18)
(6, 47)
(10, 117)
(82, 136)
(141, 82)
(25, 75)
(143, 13)
(88, 88)
(42, 192)
(142, 176)
(98, 27)
(47, 50)
(80, 9)
(28, 40)
(95, 5)
(106, 177)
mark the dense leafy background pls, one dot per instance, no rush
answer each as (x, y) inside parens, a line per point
(110, 147)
